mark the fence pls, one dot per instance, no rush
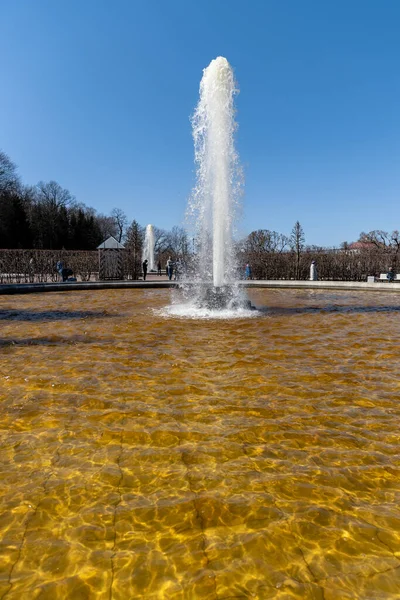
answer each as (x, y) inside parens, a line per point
(30, 266)
(332, 265)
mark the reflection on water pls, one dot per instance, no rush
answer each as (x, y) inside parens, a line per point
(163, 458)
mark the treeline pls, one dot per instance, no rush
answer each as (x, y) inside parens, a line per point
(273, 255)
(28, 266)
(270, 254)
(332, 265)
(47, 216)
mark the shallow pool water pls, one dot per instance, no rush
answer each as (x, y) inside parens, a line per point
(152, 456)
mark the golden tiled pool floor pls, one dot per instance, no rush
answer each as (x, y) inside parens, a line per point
(163, 458)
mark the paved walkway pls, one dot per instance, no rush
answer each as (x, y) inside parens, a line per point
(162, 282)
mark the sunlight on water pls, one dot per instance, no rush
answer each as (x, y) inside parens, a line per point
(154, 457)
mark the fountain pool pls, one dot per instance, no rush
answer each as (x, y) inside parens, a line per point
(167, 458)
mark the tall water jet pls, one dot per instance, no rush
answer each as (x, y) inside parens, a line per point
(215, 194)
(214, 201)
(148, 248)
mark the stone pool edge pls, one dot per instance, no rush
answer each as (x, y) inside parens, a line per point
(32, 288)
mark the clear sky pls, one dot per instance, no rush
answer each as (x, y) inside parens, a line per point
(97, 95)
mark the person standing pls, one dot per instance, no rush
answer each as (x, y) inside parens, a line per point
(64, 271)
(159, 267)
(248, 272)
(391, 275)
(178, 269)
(144, 266)
(313, 271)
(170, 268)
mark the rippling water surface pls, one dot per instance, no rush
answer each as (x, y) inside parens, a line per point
(158, 457)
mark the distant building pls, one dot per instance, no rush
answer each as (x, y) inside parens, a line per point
(111, 260)
(357, 247)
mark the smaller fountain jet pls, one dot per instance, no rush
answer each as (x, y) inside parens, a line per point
(148, 248)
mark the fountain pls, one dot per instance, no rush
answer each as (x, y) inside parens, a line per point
(148, 249)
(214, 201)
(145, 457)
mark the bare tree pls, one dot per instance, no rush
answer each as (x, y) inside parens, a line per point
(177, 242)
(160, 240)
(259, 248)
(15, 229)
(107, 226)
(52, 195)
(121, 222)
(387, 243)
(297, 243)
(264, 240)
(49, 218)
(9, 180)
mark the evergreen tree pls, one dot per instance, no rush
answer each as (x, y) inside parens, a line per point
(134, 244)
(15, 231)
(297, 244)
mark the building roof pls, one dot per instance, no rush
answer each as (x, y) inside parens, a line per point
(110, 242)
(361, 245)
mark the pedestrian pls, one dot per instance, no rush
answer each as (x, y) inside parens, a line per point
(170, 268)
(248, 272)
(59, 267)
(66, 274)
(313, 271)
(178, 269)
(159, 267)
(144, 266)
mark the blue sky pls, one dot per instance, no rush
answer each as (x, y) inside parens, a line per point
(97, 95)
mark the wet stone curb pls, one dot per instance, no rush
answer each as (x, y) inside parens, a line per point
(32, 288)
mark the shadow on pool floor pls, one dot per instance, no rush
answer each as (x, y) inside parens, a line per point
(293, 310)
(51, 315)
